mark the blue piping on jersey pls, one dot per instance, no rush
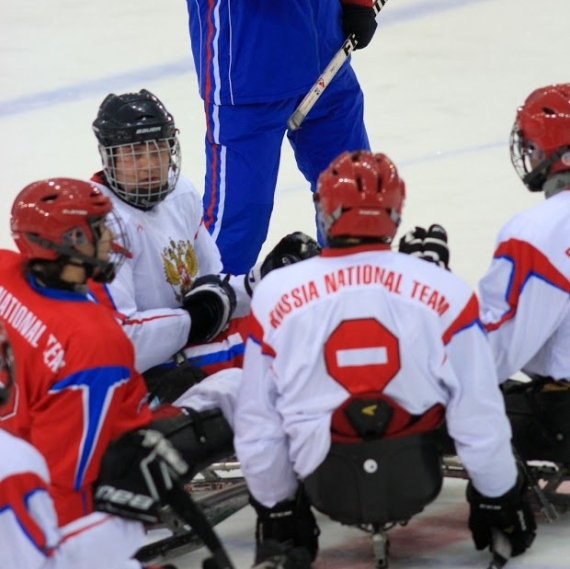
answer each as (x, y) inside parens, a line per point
(43, 550)
(525, 281)
(475, 322)
(217, 357)
(97, 386)
(57, 294)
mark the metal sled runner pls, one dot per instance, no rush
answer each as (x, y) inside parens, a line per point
(217, 496)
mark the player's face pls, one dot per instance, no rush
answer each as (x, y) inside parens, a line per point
(103, 237)
(142, 166)
(105, 243)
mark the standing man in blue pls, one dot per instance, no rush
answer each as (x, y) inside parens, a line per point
(256, 60)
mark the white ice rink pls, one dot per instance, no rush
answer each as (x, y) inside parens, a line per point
(442, 80)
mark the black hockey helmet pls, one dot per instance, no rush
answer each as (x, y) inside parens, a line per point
(134, 119)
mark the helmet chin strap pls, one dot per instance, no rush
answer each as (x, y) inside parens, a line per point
(73, 257)
(536, 178)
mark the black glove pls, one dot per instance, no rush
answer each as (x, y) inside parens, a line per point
(137, 472)
(510, 513)
(291, 249)
(429, 245)
(166, 385)
(210, 302)
(290, 522)
(360, 21)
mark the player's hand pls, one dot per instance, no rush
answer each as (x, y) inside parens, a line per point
(210, 302)
(510, 514)
(360, 21)
(137, 472)
(291, 249)
(289, 522)
(429, 245)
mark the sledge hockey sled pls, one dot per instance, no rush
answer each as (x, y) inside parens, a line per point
(539, 413)
(377, 484)
(217, 496)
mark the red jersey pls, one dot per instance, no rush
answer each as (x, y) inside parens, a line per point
(76, 387)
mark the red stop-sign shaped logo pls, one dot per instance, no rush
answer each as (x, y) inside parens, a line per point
(362, 355)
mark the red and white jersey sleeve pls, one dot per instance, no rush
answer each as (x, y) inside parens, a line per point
(356, 321)
(29, 535)
(525, 294)
(170, 248)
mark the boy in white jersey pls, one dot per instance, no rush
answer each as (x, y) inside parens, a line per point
(360, 319)
(525, 294)
(171, 252)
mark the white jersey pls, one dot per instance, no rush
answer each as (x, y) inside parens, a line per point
(359, 320)
(525, 294)
(29, 535)
(170, 247)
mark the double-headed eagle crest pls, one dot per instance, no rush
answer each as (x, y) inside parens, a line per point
(180, 266)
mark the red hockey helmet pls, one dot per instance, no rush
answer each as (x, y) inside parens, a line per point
(360, 195)
(50, 217)
(540, 138)
(7, 374)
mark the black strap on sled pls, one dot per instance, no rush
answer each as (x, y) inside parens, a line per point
(374, 415)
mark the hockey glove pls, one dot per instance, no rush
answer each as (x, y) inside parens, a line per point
(166, 385)
(290, 522)
(510, 513)
(360, 21)
(412, 243)
(291, 249)
(136, 475)
(210, 302)
(429, 245)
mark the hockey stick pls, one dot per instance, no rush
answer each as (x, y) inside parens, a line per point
(217, 506)
(549, 510)
(501, 548)
(185, 507)
(298, 116)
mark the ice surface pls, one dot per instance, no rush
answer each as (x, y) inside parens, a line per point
(442, 80)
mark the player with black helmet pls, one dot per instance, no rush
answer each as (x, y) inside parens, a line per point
(169, 294)
(131, 128)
